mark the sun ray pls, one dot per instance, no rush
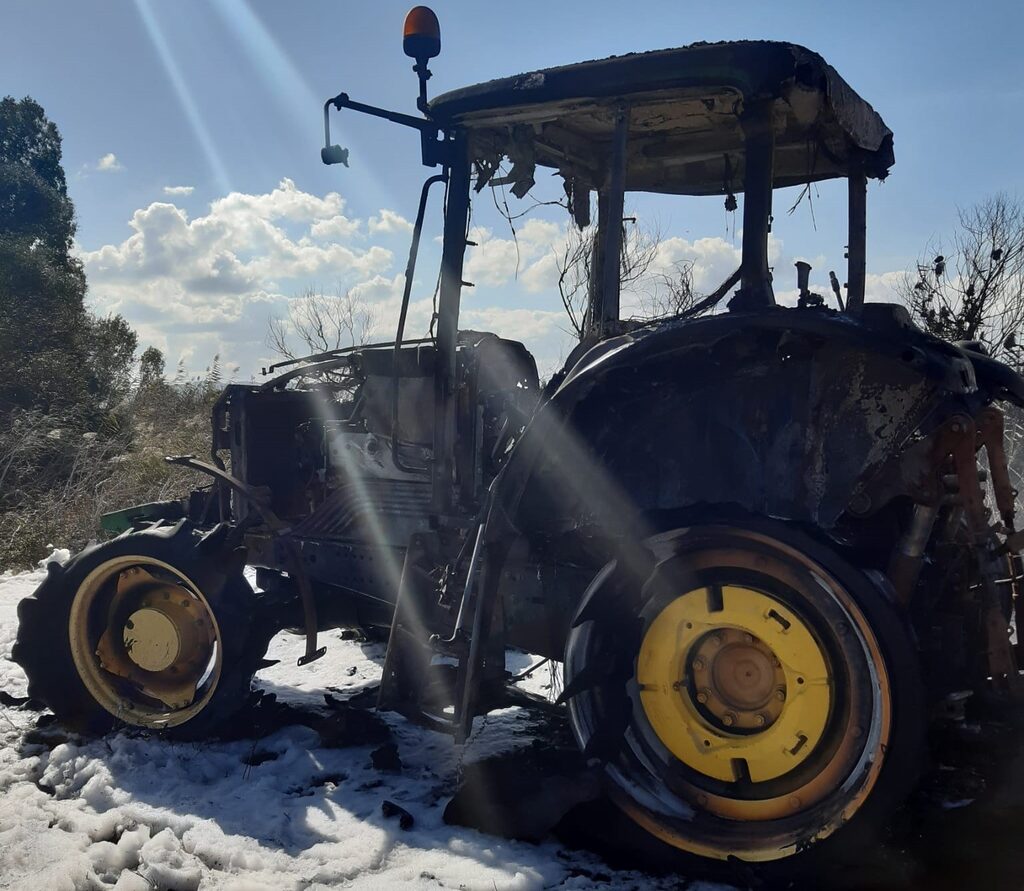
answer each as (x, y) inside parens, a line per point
(282, 79)
(184, 95)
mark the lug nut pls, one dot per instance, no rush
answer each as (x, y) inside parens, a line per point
(698, 664)
(762, 720)
(728, 719)
(780, 695)
(702, 697)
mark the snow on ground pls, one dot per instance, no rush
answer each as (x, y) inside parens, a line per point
(288, 811)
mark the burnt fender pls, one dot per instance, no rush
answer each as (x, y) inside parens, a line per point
(783, 413)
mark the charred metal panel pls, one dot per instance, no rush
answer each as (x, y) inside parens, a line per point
(539, 599)
(379, 511)
(685, 136)
(265, 450)
(785, 413)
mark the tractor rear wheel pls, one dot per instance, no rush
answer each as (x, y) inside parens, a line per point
(748, 692)
(156, 629)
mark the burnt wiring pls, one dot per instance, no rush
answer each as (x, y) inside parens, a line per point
(509, 216)
(506, 213)
(809, 187)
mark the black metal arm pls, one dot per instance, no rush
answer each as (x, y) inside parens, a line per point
(410, 271)
(435, 150)
(260, 500)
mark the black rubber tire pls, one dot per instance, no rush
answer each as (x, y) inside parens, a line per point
(43, 647)
(598, 669)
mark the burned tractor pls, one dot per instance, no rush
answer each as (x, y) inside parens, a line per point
(761, 541)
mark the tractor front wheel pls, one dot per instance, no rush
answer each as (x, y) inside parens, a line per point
(156, 629)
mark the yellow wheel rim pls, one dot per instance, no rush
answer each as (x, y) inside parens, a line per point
(759, 702)
(145, 642)
(734, 684)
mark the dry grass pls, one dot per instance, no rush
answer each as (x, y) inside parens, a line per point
(57, 477)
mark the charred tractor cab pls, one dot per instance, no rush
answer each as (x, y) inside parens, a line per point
(761, 541)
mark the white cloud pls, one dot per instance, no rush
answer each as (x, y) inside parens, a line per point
(532, 257)
(201, 285)
(495, 261)
(388, 222)
(285, 202)
(109, 163)
(541, 276)
(713, 259)
(513, 323)
(207, 284)
(336, 227)
(243, 242)
(883, 287)
(211, 282)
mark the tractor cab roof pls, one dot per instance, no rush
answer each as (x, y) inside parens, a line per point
(685, 119)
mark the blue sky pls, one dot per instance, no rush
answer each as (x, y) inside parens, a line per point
(224, 97)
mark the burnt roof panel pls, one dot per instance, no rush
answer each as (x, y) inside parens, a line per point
(685, 134)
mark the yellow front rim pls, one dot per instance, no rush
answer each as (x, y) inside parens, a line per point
(145, 642)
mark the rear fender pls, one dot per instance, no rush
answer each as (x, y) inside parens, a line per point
(785, 413)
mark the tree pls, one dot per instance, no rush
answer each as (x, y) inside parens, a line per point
(670, 292)
(318, 323)
(110, 350)
(41, 328)
(34, 201)
(659, 292)
(975, 289)
(42, 287)
(151, 367)
(575, 266)
(54, 355)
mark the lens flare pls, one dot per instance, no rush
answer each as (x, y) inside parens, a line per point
(184, 95)
(284, 83)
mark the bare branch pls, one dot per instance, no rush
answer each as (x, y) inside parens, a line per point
(318, 322)
(983, 298)
(659, 292)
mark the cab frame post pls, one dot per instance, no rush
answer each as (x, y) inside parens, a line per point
(610, 212)
(447, 321)
(759, 140)
(856, 250)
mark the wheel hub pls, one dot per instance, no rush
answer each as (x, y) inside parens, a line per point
(737, 680)
(151, 639)
(734, 684)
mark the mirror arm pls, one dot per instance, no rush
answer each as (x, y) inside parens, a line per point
(435, 150)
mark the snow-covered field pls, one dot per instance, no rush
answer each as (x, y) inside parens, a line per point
(289, 811)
